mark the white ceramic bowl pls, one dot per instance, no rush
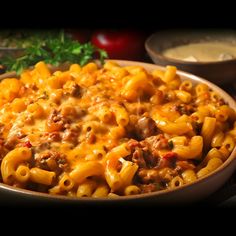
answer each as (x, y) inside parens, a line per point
(218, 72)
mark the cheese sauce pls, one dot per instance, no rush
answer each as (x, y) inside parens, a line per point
(202, 52)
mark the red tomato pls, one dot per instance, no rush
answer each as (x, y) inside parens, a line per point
(120, 44)
(26, 144)
(170, 156)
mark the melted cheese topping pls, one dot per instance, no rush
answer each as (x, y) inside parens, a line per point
(109, 131)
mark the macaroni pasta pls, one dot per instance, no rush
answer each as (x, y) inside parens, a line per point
(111, 131)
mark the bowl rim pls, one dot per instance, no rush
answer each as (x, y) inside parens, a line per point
(151, 51)
(231, 160)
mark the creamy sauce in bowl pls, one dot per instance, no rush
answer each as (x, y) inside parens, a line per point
(203, 52)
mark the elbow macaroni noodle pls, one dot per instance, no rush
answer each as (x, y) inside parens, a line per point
(111, 131)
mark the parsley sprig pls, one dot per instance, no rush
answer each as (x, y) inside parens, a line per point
(54, 51)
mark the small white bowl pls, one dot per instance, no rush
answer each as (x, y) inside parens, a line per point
(218, 72)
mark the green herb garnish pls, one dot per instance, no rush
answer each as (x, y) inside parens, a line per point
(54, 50)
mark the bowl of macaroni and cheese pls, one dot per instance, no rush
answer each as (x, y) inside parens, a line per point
(122, 132)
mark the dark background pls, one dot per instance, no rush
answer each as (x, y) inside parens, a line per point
(145, 15)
